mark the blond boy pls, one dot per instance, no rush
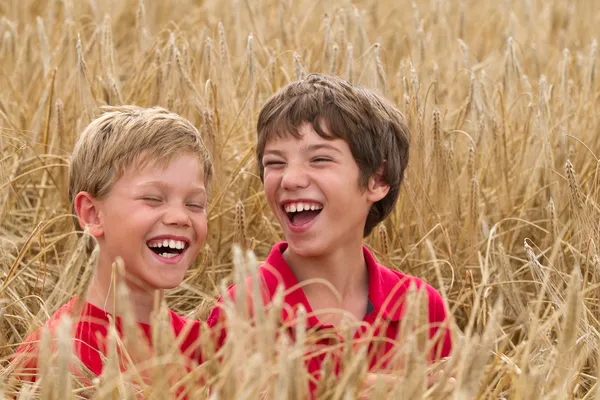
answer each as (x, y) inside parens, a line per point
(138, 182)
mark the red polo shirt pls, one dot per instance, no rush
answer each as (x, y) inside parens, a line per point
(379, 330)
(90, 330)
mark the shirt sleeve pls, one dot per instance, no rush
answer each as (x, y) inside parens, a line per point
(440, 327)
(25, 359)
(216, 320)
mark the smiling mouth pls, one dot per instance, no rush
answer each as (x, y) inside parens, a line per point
(167, 248)
(301, 213)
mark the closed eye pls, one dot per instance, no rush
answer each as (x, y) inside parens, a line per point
(273, 163)
(321, 159)
(198, 206)
(151, 199)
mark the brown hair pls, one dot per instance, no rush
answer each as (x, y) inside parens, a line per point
(124, 135)
(371, 125)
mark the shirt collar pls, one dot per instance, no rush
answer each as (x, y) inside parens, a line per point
(386, 287)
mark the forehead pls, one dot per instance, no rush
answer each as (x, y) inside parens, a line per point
(303, 137)
(176, 168)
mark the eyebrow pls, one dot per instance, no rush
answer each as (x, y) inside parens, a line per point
(164, 185)
(273, 152)
(305, 149)
(323, 146)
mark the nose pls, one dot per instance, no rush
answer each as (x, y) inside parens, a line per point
(294, 177)
(176, 215)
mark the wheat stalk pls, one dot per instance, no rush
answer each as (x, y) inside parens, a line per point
(379, 71)
(520, 92)
(349, 62)
(298, 67)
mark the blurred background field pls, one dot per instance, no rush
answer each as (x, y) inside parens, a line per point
(499, 206)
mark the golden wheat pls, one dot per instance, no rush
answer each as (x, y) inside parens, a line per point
(502, 102)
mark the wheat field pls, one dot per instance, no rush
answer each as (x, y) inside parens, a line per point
(499, 210)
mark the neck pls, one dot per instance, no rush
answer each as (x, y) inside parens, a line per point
(345, 269)
(102, 293)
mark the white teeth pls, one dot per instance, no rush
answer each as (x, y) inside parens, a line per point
(174, 244)
(299, 207)
(168, 255)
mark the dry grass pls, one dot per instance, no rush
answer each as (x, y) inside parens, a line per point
(499, 210)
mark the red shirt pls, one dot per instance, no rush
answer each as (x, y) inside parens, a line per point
(387, 289)
(90, 330)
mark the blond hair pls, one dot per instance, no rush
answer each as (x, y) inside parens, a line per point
(126, 134)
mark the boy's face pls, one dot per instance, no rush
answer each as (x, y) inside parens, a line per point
(155, 219)
(312, 187)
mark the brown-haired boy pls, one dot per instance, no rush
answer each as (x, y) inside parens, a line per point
(332, 157)
(138, 182)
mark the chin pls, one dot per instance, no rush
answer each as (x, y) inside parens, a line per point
(306, 249)
(169, 287)
(162, 282)
(166, 285)
(170, 282)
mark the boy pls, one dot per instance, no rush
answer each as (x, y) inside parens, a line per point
(138, 182)
(332, 158)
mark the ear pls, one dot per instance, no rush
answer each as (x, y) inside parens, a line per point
(87, 209)
(378, 188)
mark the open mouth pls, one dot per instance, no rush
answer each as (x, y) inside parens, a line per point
(167, 248)
(301, 213)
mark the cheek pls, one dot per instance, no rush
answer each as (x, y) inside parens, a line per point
(114, 221)
(271, 183)
(143, 217)
(200, 227)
